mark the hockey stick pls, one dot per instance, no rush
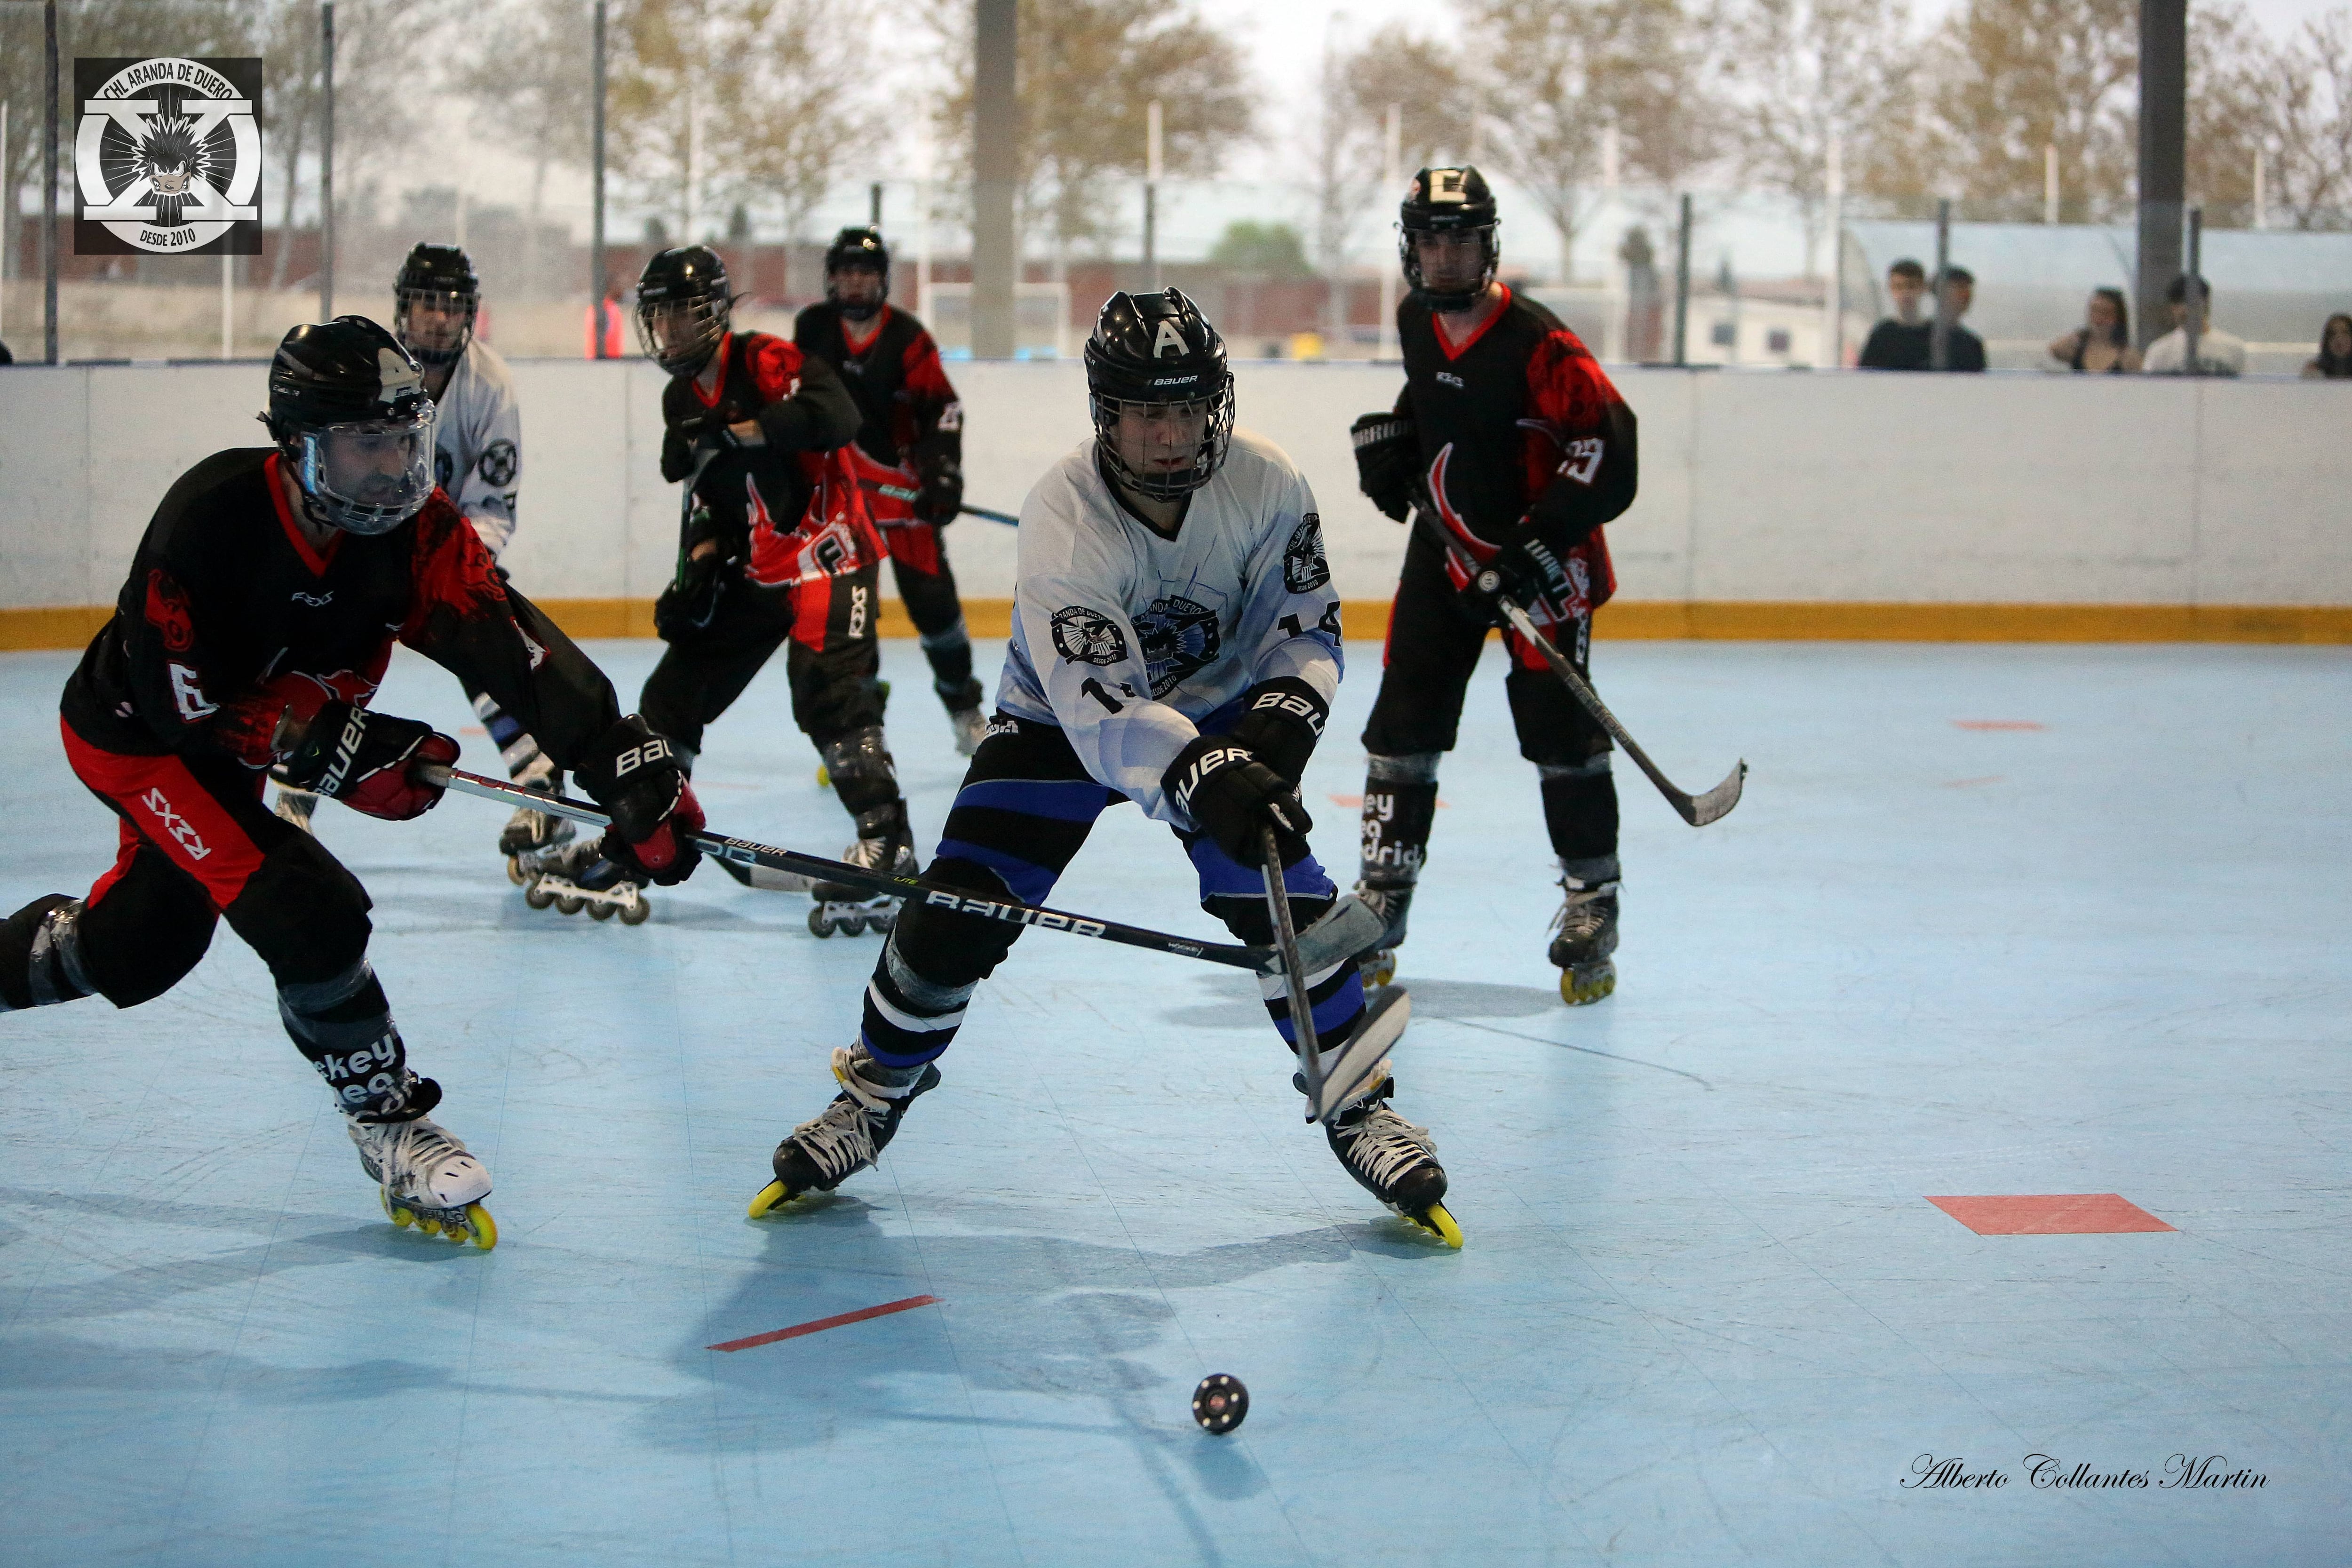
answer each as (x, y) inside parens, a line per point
(900, 492)
(1285, 943)
(1348, 928)
(1697, 810)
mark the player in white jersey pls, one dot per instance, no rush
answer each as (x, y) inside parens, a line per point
(1176, 644)
(477, 463)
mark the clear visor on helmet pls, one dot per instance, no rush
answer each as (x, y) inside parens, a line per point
(433, 324)
(679, 334)
(370, 476)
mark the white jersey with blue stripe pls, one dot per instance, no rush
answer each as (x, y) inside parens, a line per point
(1127, 641)
(478, 443)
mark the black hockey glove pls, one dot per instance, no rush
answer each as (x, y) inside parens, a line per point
(1231, 796)
(941, 496)
(1281, 721)
(634, 776)
(688, 605)
(1388, 461)
(364, 759)
(1525, 570)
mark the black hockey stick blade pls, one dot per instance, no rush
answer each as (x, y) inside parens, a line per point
(1346, 932)
(1697, 810)
(1350, 1069)
(751, 854)
(1294, 973)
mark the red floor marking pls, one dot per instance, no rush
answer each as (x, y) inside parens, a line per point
(2051, 1214)
(1356, 802)
(859, 1316)
(1996, 725)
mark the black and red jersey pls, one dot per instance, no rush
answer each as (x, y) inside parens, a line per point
(798, 483)
(911, 420)
(1519, 426)
(230, 616)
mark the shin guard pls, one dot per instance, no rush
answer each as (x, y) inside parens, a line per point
(343, 1026)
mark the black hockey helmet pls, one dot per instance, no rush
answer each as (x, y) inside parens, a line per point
(348, 409)
(442, 277)
(857, 249)
(683, 307)
(1448, 201)
(1149, 352)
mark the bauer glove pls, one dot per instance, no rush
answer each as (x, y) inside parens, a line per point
(1388, 461)
(364, 759)
(634, 776)
(1281, 721)
(1232, 797)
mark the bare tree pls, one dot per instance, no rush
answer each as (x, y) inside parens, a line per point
(2007, 78)
(2308, 123)
(1802, 71)
(532, 92)
(1569, 70)
(803, 115)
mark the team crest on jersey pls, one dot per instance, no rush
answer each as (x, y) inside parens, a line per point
(501, 463)
(1088, 637)
(1304, 569)
(1178, 638)
(167, 611)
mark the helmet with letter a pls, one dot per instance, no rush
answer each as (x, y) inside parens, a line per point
(1452, 210)
(683, 307)
(348, 413)
(857, 272)
(1163, 393)
(434, 300)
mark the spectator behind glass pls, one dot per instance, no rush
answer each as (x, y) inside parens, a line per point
(1900, 341)
(1964, 349)
(2217, 353)
(2102, 344)
(2335, 361)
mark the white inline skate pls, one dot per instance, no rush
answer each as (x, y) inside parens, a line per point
(427, 1179)
(574, 877)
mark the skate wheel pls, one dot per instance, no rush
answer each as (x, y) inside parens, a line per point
(823, 776)
(537, 897)
(602, 912)
(819, 923)
(1220, 1403)
(1581, 987)
(1439, 1223)
(1380, 970)
(635, 911)
(428, 1224)
(485, 1229)
(514, 870)
(770, 1196)
(400, 1218)
(886, 922)
(854, 925)
(569, 904)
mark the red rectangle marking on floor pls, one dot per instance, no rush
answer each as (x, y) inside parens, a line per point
(820, 1324)
(2050, 1214)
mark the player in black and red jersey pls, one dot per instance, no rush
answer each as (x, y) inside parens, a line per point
(776, 549)
(1510, 435)
(908, 453)
(256, 621)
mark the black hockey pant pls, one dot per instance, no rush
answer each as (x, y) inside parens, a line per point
(927, 587)
(833, 662)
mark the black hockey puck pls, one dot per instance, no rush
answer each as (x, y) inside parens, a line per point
(1220, 1403)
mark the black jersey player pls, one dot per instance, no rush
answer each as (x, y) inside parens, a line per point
(908, 453)
(256, 621)
(776, 549)
(1509, 434)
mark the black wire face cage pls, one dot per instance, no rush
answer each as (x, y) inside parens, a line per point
(707, 314)
(1489, 245)
(859, 312)
(445, 299)
(1216, 440)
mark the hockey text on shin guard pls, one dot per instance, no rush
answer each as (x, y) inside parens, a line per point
(343, 1026)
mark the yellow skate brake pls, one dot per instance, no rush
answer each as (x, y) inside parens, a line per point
(1439, 1222)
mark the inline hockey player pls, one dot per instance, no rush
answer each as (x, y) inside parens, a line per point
(1176, 643)
(776, 549)
(1510, 435)
(477, 463)
(908, 453)
(256, 622)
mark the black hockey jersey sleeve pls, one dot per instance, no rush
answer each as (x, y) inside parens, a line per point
(465, 619)
(1584, 468)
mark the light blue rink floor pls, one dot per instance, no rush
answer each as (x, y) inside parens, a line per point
(1706, 1313)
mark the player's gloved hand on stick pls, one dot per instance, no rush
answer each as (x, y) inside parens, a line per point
(1281, 721)
(1388, 461)
(634, 776)
(941, 495)
(364, 759)
(688, 605)
(1526, 571)
(1231, 796)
